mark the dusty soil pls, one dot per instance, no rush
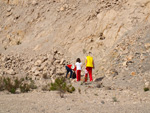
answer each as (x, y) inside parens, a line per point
(89, 100)
(39, 37)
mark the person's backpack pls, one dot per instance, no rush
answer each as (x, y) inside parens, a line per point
(74, 75)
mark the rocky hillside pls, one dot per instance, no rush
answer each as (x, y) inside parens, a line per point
(39, 37)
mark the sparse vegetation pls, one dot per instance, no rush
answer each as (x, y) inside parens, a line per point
(61, 86)
(146, 89)
(84, 51)
(46, 87)
(1, 84)
(32, 84)
(114, 99)
(96, 94)
(5, 48)
(81, 83)
(99, 85)
(25, 88)
(70, 89)
(12, 84)
(79, 90)
(18, 42)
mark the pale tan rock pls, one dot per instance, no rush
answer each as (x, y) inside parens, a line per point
(34, 69)
(129, 58)
(53, 79)
(147, 84)
(34, 2)
(37, 73)
(18, 91)
(15, 2)
(87, 1)
(11, 72)
(44, 66)
(9, 9)
(62, 9)
(8, 14)
(62, 61)
(63, 1)
(142, 57)
(125, 63)
(57, 61)
(147, 45)
(38, 63)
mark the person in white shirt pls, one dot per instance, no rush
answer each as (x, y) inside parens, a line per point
(78, 69)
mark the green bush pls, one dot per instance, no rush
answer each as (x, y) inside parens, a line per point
(114, 99)
(61, 86)
(32, 85)
(12, 84)
(146, 89)
(70, 89)
(24, 88)
(2, 85)
(79, 90)
(13, 90)
(46, 87)
(73, 89)
(18, 42)
(9, 85)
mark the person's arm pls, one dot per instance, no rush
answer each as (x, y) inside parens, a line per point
(85, 62)
(93, 64)
(75, 68)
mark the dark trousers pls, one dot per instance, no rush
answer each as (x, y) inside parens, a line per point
(68, 70)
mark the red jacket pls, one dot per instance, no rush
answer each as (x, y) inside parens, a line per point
(69, 65)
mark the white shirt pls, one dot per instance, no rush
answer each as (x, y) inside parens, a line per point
(78, 65)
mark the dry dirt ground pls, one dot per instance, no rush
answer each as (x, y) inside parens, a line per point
(117, 33)
(89, 99)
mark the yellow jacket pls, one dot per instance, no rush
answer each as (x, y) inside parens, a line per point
(89, 61)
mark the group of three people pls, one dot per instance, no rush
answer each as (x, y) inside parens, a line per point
(89, 64)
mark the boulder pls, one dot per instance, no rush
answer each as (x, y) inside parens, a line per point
(147, 84)
(57, 61)
(147, 45)
(62, 8)
(25, 67)
(8, 14)
(11, 72)
(9, 9)
(38, 63)
(62, 61)
(18, 91)
(34, 69)
(37, 73)
(34, 2)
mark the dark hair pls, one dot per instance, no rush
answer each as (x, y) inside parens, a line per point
(78, 60)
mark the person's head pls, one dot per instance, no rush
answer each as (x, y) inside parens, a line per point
(78, 60)
(89, 53)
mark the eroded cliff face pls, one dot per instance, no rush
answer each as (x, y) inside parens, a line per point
(102, 27)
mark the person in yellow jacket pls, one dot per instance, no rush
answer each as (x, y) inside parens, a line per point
(89, 65)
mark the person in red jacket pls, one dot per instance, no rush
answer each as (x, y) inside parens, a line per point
(69, 68)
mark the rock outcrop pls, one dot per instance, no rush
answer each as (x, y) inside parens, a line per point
(39, 37)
